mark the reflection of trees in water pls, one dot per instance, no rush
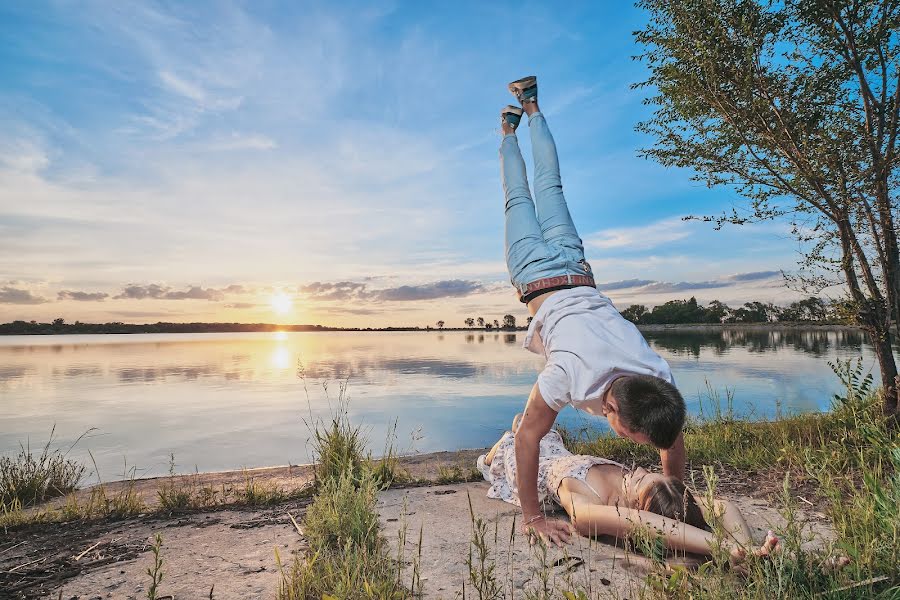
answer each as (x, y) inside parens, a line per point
(148, 374)
(509, 338)
(14, 372)
(808, 341)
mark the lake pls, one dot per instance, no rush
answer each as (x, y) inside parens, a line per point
(226, 401)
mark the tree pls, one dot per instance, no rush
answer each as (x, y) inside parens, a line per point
(796, 106)
(634, 312)
(59, 322)
(488, 326)
(481, 321)
(440, 324)
(470, 322)
(755, 312)
(717, 312)
(496, 324)
(808, 309)
(509, 321)
(528, 321)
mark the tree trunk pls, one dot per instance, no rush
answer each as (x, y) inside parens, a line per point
(884, 352)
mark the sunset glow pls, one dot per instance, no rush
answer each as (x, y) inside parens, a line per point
(171, 177)
(282, 303)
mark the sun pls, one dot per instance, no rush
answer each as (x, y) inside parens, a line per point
(282, 303)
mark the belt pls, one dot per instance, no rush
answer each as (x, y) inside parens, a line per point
(531, 289)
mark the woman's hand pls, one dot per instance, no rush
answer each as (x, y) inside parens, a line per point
(550, 531)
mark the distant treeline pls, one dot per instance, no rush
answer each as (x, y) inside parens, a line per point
(810, 310)
(674, 312)
(59, 326)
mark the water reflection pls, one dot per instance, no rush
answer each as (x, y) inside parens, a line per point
(221, 401)
(815, 342)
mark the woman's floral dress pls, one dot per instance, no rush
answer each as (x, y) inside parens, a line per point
(555, 463)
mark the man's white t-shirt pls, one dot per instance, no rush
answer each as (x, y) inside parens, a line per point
(587, 344)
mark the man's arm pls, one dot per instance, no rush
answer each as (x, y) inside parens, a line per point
(673, 459)
(535, 423)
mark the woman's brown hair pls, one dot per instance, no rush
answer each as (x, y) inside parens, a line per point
(670, 498)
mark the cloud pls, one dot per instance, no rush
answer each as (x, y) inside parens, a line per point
(624, 284)
(82, 296)
(11, 295)
(195, 293)
(453, 288)
(242, 142)
(139, 313)
(158, 292)
(640, 238)
(661, 287)
(649, 286)
(242, 305)
(340, 291)
(183, 87)
(755, 276)
(236, 289)
(351, 290)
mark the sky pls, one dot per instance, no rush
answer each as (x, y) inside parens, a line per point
(331, 163)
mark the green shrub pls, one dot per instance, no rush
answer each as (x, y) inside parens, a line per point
(30, 478)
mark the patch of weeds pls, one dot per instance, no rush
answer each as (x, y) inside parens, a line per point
(256, 493)
(480, 562)
(348, 557)
(457, 474)
(339, 446)
(30, 478)
(180, 496)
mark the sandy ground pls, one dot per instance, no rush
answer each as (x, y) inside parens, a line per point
(232, 551)
(601, 567)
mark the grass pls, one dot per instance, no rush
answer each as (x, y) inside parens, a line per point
(29, 478)
(348, 557)
(457, 474)
(851, 456)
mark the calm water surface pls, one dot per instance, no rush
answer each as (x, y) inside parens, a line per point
(225, 401)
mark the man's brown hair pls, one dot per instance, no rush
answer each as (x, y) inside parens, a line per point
(651, 406)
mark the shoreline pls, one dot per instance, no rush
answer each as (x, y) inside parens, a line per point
(239, 328)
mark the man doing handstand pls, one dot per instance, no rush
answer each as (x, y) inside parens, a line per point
(596, 360)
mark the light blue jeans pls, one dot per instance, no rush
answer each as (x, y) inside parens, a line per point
(541, 240)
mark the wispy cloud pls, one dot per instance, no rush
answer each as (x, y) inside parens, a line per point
(648, 286)
(643, 237)
(11, 295)
(242, 305)
(623, 284)
(182, 87)
(81, 296)
(159, 292)
(237, 141)
(455, 288)
(349, 290)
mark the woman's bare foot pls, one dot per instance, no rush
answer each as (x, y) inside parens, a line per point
(738, 555)
(833, 564)
(772, 545)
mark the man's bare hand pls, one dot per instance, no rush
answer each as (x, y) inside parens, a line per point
(550, 531)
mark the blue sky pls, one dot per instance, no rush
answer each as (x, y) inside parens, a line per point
(191, 161)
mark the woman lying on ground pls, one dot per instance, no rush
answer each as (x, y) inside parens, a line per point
(603, 497)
